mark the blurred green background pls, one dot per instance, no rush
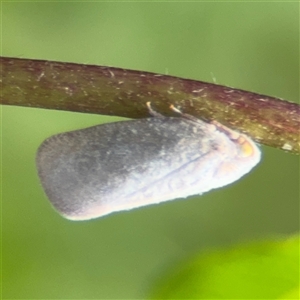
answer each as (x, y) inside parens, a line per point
(252, 46)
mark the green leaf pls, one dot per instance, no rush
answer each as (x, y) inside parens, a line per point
(258, 270)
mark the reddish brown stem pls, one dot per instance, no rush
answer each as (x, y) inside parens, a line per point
(120, 92)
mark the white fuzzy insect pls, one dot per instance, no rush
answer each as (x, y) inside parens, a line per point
(93, 172)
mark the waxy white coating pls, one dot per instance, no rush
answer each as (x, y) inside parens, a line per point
(93, 172)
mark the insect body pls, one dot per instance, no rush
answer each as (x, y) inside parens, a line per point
(92, 172)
